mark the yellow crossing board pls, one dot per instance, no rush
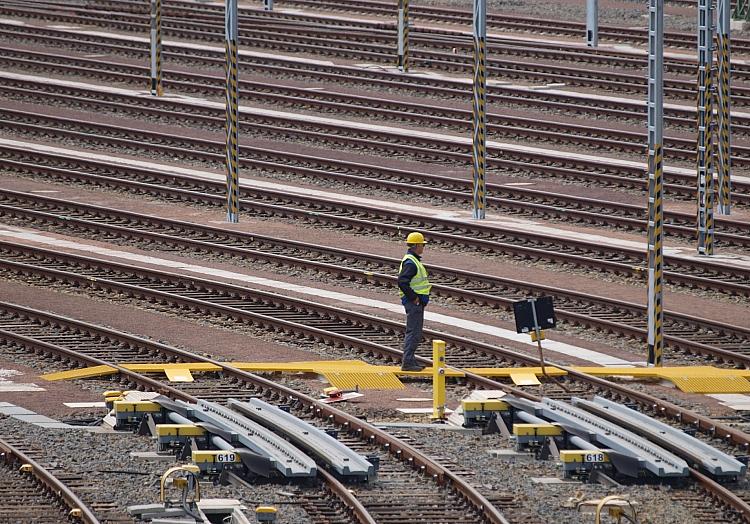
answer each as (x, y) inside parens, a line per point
(348, 374)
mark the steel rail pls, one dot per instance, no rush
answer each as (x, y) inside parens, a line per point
(518, 200)
(506, 22)
(722, 494)
(364, 430)
(442, 87)
(364, 48)
(659, 406)
(447, 149)
(416, 113)
(485, 239)
(161, 289)
(54, 486)
(501, 22)
(576, 308)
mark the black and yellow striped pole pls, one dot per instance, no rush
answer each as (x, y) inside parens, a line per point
(725, 140)
(232, 124)
(156, 88)
(403, 35)
(705, 149)
(479, 116)
(655, 104)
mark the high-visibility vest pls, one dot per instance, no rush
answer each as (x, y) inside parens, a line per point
(419, 282)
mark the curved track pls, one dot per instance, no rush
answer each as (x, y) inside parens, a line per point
(453, 500)
(218, 388)
(34, 494)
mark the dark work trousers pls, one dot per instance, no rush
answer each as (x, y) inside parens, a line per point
(414, 322)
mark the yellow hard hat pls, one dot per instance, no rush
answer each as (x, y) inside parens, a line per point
(415, 238)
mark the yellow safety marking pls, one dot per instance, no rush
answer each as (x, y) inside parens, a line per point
(178, 374)
(711, 384)
(484, 405)
(346, 374)
(438, 380)
(524, 379)
(363, 380)
(93, 371)
(583, 455)
(179, 430)
(536, 430)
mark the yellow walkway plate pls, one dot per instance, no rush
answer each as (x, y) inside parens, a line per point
(178, 374)
(348, 374)
(93, 371)
(363, 380)
(524, 379)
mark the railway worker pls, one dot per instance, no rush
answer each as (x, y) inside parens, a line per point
(414, 289)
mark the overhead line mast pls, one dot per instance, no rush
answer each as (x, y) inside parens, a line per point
(403, 35)
(705, 146)
(232, 110)
(655, 107)
(479, 114)
(156, 87)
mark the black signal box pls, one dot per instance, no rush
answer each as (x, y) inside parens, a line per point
(524, 313)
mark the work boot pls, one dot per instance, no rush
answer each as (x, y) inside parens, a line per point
(412, 366)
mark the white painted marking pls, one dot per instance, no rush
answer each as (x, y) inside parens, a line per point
(735, 401)
(16, 387)
(501, 146)
(294, 59)
(462, 217)
(419, 411)
(478, 327)
(85, 404)
(8, 386)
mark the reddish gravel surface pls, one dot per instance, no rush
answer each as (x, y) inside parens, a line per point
(227, 342)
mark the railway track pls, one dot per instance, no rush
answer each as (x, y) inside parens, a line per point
(505, 22)
(179, 12)
(29, 492)
(219, 384)
(42, 332)
(374, 46)
(194, 296)
(484, 239)
(403, 469)
(502, 198)
(365, 77)
(500, 126)
(685, 334)
(443, 148)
